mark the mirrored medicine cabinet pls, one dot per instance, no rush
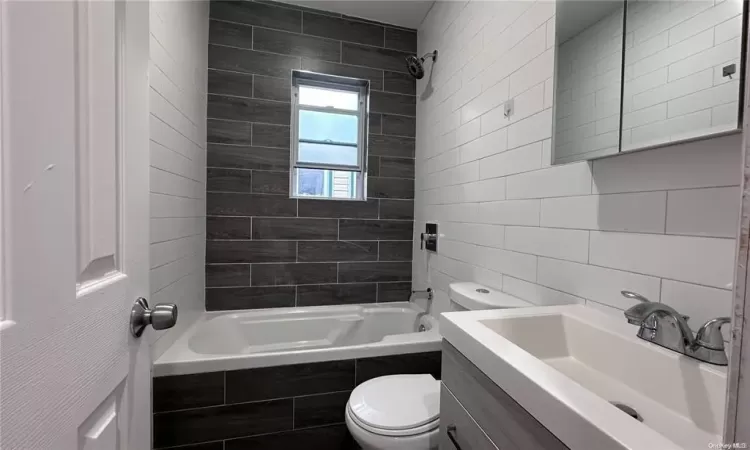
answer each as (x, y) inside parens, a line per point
(632, 75)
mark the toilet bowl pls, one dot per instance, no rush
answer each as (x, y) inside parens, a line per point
(395, 412)
(401, 412)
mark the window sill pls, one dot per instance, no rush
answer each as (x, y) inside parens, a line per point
(303, 197)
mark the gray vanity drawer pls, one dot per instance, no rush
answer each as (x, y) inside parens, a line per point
(467, 433)
(507, 424)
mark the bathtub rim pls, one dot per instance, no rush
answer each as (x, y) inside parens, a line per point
(179, 359)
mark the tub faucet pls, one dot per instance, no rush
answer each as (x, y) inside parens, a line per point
(427, 292)
(664, 326)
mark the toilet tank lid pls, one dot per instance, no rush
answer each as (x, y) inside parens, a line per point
(474, 296)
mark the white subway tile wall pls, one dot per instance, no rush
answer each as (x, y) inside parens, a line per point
(178, 76)
(661, 223)
(674, 85)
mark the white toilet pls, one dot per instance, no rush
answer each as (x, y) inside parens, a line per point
(401, 412)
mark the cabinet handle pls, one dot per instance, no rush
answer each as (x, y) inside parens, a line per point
(451, 430)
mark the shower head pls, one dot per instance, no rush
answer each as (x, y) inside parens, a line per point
(415, 65)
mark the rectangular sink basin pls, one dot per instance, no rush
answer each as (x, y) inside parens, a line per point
(570, 365)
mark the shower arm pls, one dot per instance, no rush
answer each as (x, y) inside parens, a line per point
(432, 55)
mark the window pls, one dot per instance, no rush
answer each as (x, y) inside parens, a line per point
(329, 136)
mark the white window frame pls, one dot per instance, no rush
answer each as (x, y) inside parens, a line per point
(333, 82)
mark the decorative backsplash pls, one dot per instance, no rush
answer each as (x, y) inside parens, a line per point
(265, 249)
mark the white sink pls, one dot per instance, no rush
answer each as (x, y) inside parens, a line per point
(565, 364)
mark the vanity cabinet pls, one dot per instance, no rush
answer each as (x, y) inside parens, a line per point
(476, 414)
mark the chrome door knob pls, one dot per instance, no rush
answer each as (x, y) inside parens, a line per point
(161, 317)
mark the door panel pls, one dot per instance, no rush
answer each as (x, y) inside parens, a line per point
(98, 57)
(74, 211)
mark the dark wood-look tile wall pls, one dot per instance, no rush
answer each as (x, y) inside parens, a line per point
(277, 136)
(267, 383)
(398, 82)
(364, 55)
(293, 406)
(231, 34)
(229, 228)
(396, 168)
(191, 426)
(271, 88)
(254, 297)
(223, 275)
(296, 45)
(321, 251)
(398, 146)
(344, 70)
(329, 437)
(391, 187)
(228, 180)
(241, 157)
(343, 29)
(253, 13)
(250, 62)
(230, 83)
(374, 230)
(293, 274)
(359, 272)
(321, 409)
(401, 40)
(264, 248)
(227, 252)
(397, 209)
(338, 294)
(225, 132)
(393, 292)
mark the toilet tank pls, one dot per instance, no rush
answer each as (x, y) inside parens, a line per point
(473, 296)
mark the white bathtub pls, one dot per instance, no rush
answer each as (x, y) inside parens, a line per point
(270, 337)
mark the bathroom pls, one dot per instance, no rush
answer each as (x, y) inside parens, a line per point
(377, 224)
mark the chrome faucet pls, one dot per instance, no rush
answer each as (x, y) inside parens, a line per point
(663, 325)
(428, 296)
(427, 292)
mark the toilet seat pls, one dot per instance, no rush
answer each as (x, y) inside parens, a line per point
(396, 405)
(426, 428)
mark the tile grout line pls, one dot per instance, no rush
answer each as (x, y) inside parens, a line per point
(666, 209)
(300, 57)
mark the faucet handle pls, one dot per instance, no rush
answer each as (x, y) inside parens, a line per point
(709, 335)
(634, 296)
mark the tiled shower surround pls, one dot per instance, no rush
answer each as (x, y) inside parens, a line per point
(299, 406)
(263, 248)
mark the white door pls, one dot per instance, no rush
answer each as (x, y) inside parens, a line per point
(74, 215)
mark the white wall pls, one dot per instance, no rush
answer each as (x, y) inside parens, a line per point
(660, 222)
(178, 76)
(674, 55)
(588, 87)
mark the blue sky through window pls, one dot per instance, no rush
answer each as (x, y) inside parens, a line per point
(323, 126)
(327, 154)
(318, 96)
